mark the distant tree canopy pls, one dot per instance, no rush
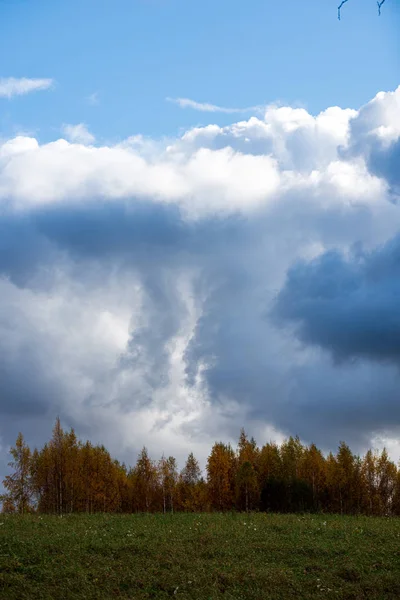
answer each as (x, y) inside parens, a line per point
(70, 476)
(379, 3)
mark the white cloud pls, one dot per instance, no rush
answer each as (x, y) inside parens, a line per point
(93, 99)
(78, 134)
(11, 86)
(136, 281)
(208, 170)
(206, 107)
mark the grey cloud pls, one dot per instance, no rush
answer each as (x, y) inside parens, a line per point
(236, 265)
(374, 134)
(275, 379)
(112, 229)
(348, 306)
(22, 249)
(382, 158)
(137, 234)
(384, 161)
(147, 349)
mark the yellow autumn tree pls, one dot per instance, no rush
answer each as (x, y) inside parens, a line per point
(246, 480)
(312, 469)
(168, 478)
(221, 472)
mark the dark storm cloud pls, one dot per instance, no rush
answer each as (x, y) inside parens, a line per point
(104, 228)
(137, 233)
(247, 359)
(27, 384)
(384, 161)
(23, 395)
(22, 249)
(348, 306)
(273, 380)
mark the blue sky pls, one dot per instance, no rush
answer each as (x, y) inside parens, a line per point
(133, 54)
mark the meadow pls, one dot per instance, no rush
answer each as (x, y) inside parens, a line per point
(199, 556)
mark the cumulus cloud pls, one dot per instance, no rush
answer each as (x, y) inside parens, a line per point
(78, 134)
(375, 135)
(168, 292)
(12, 86)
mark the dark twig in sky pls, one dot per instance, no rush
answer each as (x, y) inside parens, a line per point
(339, 7)
(379, 6)
(379, 3)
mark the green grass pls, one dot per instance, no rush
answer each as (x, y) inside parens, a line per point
(199, 557)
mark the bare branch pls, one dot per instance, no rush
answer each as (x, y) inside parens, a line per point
(380, 5)
(339, 7)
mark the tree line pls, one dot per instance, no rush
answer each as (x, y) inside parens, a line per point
(71, 476)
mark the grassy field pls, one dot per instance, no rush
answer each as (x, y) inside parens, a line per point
(200, 557)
